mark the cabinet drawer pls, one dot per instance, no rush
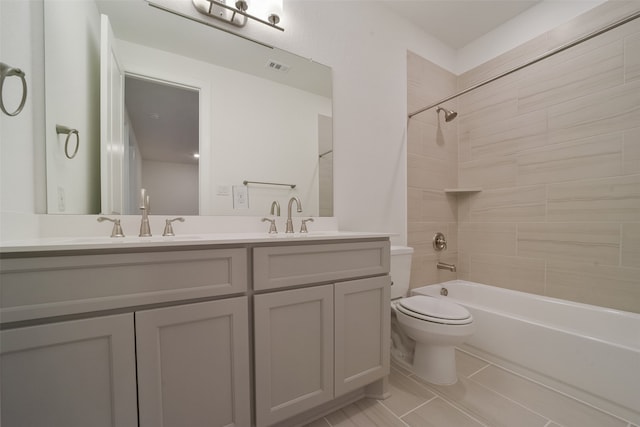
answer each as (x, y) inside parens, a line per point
(54, 286)
(282, 266)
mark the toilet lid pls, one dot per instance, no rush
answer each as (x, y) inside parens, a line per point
(434, 309)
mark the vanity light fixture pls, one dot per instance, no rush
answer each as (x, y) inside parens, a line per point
(273, 10)
(219, 9)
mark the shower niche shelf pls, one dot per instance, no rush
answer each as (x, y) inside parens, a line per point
(462, 191)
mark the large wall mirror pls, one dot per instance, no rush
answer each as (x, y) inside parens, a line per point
(209, 123)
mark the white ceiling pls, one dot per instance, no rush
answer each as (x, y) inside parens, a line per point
(458, 22)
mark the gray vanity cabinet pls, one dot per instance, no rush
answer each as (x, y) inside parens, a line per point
(193, 365)
(316, 343)
(189, 360)
(75, 373)
(153, 338)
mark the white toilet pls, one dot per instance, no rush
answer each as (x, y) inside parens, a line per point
(434, 324)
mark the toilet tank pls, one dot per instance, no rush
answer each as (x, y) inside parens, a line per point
(400, 270)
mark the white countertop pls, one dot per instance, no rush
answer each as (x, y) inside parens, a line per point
(98, 243)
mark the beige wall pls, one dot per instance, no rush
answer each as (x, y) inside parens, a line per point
(556, 150)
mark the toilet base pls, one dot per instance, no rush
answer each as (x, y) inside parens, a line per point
(435, 364)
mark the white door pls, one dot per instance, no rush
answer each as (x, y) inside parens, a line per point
(112, 149)
(193, 365)
(69, 374)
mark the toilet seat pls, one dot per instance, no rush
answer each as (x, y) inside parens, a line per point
(434, 310)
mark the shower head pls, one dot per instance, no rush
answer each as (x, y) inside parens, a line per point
(448, 114)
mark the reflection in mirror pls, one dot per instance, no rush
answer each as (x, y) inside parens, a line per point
(263, 114)
(162, 144)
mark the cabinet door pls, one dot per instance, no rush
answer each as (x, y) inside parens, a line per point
(70, 374)
(362, 316)
(293, 352)
(193, 365)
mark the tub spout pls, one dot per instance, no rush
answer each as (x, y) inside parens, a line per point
(445, 266)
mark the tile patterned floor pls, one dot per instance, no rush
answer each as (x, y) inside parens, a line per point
(485, 396)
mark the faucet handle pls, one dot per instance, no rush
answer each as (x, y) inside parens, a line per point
(272, 227)
(168, 228)
(439, 242)
(116, 231)
(303, 227)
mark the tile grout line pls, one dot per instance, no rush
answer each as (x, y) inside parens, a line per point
(438, 395)
(479, 419)
(541, 384)
(620, 248)
(417, 407)
(461, 408)
(512, 401)
(479, 370)
(623, 132)
(553, 389)
(452, 403)
(546, 220)
(392, 414)
(549, 388)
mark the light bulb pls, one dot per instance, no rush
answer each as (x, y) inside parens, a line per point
(273, 10)
(242, 5)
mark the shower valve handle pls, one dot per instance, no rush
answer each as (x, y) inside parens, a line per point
(439, 242)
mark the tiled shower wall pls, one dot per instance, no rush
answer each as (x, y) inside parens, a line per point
(432, 156)
(556, 150)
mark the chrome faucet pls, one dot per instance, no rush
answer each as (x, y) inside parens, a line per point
(289, 221)
(445, 266)
(145, 229)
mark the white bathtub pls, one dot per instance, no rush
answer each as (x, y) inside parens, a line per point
(589, 352)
